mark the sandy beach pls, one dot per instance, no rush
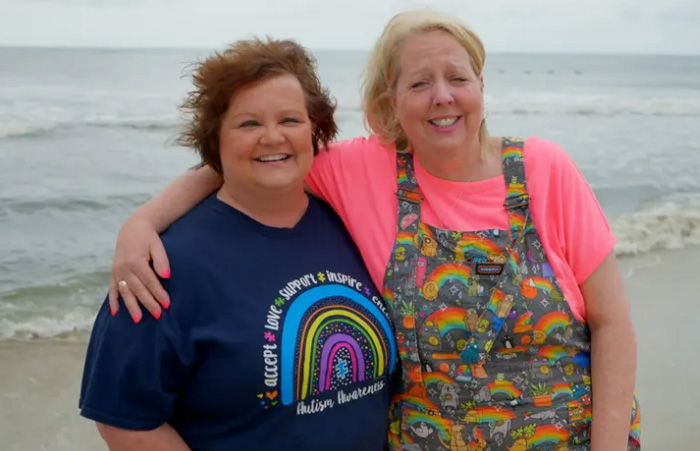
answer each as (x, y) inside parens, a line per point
(40, 380)
(39, 386)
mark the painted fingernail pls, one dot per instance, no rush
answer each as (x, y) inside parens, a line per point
(165, 274)
(156, 314)
(113, 311)
(165, 303)
(136, 318)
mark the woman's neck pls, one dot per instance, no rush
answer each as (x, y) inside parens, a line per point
(274, 208)
(463, 165)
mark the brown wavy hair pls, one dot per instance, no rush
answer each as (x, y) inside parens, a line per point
(217, 79)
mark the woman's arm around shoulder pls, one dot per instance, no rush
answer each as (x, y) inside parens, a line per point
(139, 245)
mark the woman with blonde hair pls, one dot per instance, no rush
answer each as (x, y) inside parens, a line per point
(511, 318)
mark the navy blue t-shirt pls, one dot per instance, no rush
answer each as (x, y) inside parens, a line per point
(275, 339)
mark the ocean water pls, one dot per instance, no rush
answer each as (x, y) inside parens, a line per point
(87, 135)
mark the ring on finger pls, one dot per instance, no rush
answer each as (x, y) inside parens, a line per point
(122, 284)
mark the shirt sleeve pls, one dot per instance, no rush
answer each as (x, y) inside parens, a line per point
(583, 230)
(324, 179)
(134, 372)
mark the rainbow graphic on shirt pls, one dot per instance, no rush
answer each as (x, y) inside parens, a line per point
(562, 390)
(553, 353)
(480, 249)
(517, 222)
(402, 176)
(507, 389)
(515, 350)
(513, 262)
(540, 283)
(419, 404)
(332, 336)
(523, 323)
(496, 297)
(433, 378)
(404, 239)
(413, 418)
(515, 190)
(548, 435)
(553, 321)
(450, 271)
(488, 415)
(452, 318)
(388, 295)
(512, 153)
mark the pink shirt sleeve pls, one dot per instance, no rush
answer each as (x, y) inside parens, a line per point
(570, 220)
(357, 178)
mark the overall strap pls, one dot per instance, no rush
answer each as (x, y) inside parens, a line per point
(517, 201)
(506, 293)
(408, 193)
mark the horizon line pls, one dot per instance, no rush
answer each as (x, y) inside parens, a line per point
(340, 49)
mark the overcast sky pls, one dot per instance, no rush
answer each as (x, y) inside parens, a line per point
(575, 26)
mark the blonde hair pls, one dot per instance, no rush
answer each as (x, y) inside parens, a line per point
(382, 70)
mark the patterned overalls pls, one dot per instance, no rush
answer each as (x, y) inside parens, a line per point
(492, 356)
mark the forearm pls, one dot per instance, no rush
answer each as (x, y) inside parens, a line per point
(179, 197)
(163, 438)
(613, 365)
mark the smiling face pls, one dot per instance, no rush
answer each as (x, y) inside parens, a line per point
(438, 98)
(266, 136)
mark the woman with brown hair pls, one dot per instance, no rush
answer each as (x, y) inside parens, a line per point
(276, 337)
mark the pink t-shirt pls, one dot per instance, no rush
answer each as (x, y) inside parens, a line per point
(358, 178)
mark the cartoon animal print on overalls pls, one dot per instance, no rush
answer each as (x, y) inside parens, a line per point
(492, 356)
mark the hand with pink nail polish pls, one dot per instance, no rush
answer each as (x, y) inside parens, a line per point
(133, 277)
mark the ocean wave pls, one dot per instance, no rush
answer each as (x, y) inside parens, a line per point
(78, 321)
(11, 206)
(52, 310)
(28, 128)
(144, 123)
(18, 129)
(592, 105)
(672, 223)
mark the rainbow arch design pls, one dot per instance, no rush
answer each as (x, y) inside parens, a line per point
(420, 404)
(512, 152)
(553, 353)
(540, 283)
(436, 378)
(322, 323)
(402, 176)
(562, 390)
(482, 249)
(404, 239)
(523, 323)
(517, 222)
(488, 415)
(552, 321)
(447, 320)
(388, 295)
(442, 425)
(450, 271)
(505, 388)
(515, 190)
(548, 435)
